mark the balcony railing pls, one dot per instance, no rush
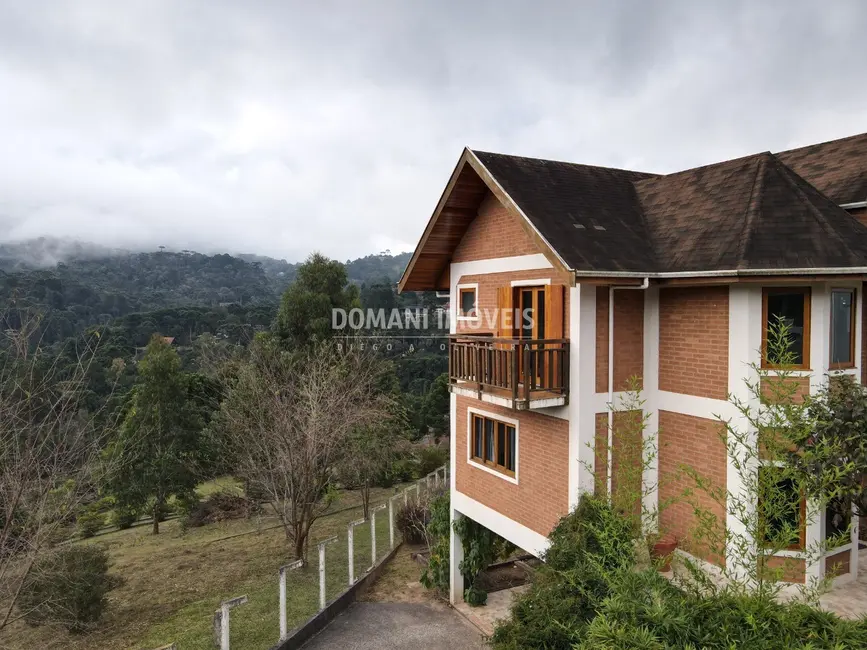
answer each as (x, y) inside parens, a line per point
(521, 373)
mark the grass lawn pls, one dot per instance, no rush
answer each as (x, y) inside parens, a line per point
(174, 581)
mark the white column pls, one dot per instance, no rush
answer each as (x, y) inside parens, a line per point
(456, 556)
(745, 341)
(350, 548)
(373, 512)
(650, 393)
(322, 544)
(297, 564)
(582, 391)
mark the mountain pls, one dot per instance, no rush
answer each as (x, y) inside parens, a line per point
(78, 284)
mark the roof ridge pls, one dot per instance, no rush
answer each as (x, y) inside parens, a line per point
(567, 162)
(752, 209)
(819, 144)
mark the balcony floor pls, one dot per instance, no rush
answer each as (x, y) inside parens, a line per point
(503, 397)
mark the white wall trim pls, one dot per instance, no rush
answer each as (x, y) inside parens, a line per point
(531, 283)
(518, 534)
(457, 306)
(693, 405)
(501, 418)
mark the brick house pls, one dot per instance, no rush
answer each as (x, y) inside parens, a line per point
(670, 278)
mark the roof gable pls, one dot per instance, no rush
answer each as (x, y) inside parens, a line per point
(837, 168)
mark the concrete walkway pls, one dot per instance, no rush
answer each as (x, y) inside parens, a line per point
(389, 626)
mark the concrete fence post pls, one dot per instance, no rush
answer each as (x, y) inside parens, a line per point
(373, 512)
(350, 550)
(297, 564)
(221, 619)
(391, 520)
(322, 544)
(406, 497)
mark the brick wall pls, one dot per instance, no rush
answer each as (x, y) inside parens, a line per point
(789, 569)
(541, 496)
(693, 341)
(695, 442)
(628, 337)
(625, 456)
(838, 564)
(487, 296)
(495, 232)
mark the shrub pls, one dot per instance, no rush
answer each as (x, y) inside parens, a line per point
(588, 594)
(411, 521)
(431, 458)
(89, 522)
(403, 470)
(436, 574)
(221, 506)
(124, 516)
(67, 587)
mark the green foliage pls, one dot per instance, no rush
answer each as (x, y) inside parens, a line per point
(89, 523)
(157, 451)
(590, 594)
(67, 587)
(480, 549)
(436, 573)
(305, 313)
(430, 458)
(124, 516)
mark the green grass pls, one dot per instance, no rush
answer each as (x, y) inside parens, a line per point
(174, 581)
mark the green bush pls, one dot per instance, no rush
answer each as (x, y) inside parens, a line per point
(67, 587)
(124, 516)
(588, 594)
(431, 458)
(89, 522)
(436, 574)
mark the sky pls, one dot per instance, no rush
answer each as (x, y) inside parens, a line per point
(284, 127)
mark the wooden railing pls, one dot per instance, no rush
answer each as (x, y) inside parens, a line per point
(520, 369)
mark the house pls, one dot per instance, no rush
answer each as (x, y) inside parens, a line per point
(671, 278)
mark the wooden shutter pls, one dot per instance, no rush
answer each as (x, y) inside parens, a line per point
(553, 330)
(505, 324)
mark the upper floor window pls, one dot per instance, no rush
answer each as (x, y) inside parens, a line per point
(467, 301)
(494, 444)
(789, 306)
(842, 328)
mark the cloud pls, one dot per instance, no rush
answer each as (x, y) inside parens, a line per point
(284, 127)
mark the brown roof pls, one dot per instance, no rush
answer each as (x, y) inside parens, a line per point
(761, 212)
(837, 168)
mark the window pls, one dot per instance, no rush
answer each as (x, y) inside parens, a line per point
(842, 328)
(790, 306)
(782, 510)
(493, 444)
(838, 519)
(467, 302)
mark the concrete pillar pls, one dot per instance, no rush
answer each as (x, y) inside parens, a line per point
(456, 556)
(297, 564)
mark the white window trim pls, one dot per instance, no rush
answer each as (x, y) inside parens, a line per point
(494, 416)
(531, 283)
(475, 287)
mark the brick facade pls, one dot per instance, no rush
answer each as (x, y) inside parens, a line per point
(693, 341)
(628, 338)
(541, 496)
(495, 232)
(625, 454)
(696, 442)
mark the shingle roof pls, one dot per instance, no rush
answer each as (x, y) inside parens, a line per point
(745, 214)
(582, 211)
(837, 168)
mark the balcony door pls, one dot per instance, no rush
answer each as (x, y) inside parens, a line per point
(531, 327)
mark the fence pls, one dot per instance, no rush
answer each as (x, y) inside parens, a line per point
(356, 566)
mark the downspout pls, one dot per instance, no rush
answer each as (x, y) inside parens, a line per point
(609, 468)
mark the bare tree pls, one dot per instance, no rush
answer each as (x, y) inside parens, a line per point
(287, 422)
(49, 449)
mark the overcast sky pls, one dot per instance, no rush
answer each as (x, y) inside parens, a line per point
(282, 127)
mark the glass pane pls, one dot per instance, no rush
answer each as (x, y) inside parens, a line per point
(788, 308)
(489, 440)
(477, 437)
(780, 507)
(510, 460)
(540, 315)
(527, 314)
(468, 302)
(841, 327)
(501, 444)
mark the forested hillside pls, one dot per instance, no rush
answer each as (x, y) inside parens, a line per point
(76, 285)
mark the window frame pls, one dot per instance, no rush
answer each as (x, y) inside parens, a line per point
(808, 295)
(491, 466)
(801, 545)
(852, 325)
(461, 290)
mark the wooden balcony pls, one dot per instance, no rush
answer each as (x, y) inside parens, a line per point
(516, 373)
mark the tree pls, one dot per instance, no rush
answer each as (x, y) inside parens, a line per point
(306, 307)
(157, 450)
(368, 454)
(287, 422)
(49, 451)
